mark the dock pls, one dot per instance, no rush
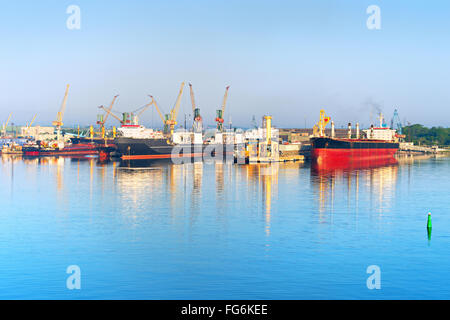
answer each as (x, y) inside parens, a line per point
(411, 149)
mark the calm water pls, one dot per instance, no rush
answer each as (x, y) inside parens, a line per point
(223, 231)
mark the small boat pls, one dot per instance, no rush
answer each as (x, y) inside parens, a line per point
(12, 148)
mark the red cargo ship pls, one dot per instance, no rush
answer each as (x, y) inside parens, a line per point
(375, 144)
(348, 150)
(78, 149)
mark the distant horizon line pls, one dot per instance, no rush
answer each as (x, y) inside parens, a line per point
(85, 126)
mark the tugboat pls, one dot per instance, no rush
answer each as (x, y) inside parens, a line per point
(12, 148)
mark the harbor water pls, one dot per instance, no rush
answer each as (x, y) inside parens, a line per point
(217, 230)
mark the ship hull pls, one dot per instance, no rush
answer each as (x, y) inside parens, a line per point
(148, 149)
(346, 151)
(96, 140)
(73, 150)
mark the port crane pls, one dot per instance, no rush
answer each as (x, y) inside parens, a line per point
(254, 125)
(396, 123)
(101, 119)
(319, 128)
(220, 113)
(197, 126)
(141, 110)
(27, 130)
(127, 115)
(59, 116)
(157, 109)
(170, 119)
(112, 114)
(5, 125)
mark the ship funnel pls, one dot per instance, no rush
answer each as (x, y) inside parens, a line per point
(333, 134)
(349, 133)
(357, 130)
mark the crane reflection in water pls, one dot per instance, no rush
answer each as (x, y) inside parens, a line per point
(184, 188)
(192, 189)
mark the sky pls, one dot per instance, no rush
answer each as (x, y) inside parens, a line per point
(288, 59)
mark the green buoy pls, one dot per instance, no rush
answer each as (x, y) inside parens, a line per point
(429, 226)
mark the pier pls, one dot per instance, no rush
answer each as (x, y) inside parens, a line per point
(411, 149)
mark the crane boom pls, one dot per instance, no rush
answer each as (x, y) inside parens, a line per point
(192, 98)
(112, 114)
(110, 108)
(157, 109)
(7, 121)
(32, 121)
(27, 129)
(143, 108)
(60, 115)
(225, 100)
(176, 108)
(63, 106)
(6, 124)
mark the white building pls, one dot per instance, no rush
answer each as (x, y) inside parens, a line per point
(139, 132)
(386, 134)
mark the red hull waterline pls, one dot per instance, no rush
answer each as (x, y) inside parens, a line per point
(76, 150)
(353, 158)
(349, 154)
(61, 153)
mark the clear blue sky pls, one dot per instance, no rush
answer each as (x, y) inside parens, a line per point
(284, 58)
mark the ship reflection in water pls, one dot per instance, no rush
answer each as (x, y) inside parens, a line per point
(180, 188)
(373, 177)
(214, 229)
(184, 189)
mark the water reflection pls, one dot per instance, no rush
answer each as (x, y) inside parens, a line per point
(136, 186)
(375, 179)
(180, 190)
(269, 174)
(211, 220)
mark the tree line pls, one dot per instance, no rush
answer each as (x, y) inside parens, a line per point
(422, 135)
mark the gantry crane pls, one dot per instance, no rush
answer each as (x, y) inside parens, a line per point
(396, 122)
(60, 115)
(220, 113)
(5, 125)
(197, 125)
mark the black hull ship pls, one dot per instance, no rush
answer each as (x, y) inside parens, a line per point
(162, 148)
